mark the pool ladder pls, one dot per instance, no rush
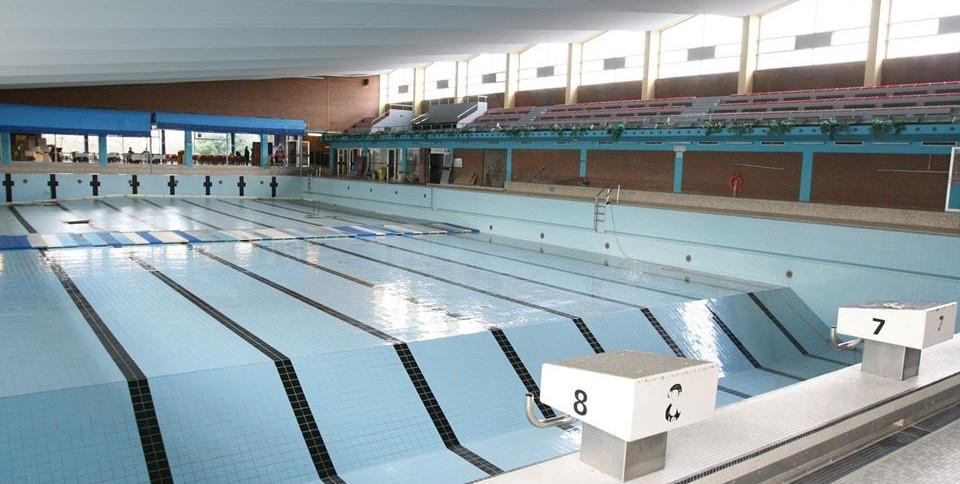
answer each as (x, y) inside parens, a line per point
(600, 202)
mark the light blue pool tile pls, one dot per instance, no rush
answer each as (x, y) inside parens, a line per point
(45, 346)
(691, 326)
(287, 324)
(161, 330)
(375, 414)
(230, 425)
(85, 434)
(436, 466)
(545, 343)
(627, 330)
(482, 397)
(765, 341)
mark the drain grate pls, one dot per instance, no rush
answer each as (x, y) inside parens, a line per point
(881, 448)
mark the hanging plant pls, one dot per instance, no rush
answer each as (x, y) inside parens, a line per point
(886, 127)
(616, 131)
(778, 128)
(830, 127)
(711, 127)
(740, 129)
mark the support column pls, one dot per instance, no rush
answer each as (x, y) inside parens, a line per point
(651, 64)
(460, 86)
(583, 163)
(188, 148)
(233, 143)
(384, 93)
(419, 89)
(102, 149)
(749, 47)
(403, 162)
(806, 176)
(86, 143)
(264, 151)
(877, 42)
(332, 161)
(574, 63)
(512, 80)
(163, 141)
(678, 172)
(6, 149)
(508, 172)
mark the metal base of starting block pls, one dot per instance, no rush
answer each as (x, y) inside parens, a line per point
(890, 361)
(621, 459)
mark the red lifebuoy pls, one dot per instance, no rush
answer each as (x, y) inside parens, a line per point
(736, 183)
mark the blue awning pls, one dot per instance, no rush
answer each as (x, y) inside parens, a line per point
(229, 124)
(22, 118)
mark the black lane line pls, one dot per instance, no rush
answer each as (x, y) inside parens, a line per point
(227, 214)
(447, 436)
(302, 298)
(273, 214)
(178, 214)
(743, 349)
(316, 266)
(439, 419)
(521, 370)
(776, 321)
(734, 392)
(288, 375)
(578, 321)
(658, 327)
(144, 411)
(508, 350)
(115, 208)
(447, 281)
(17, 215)
(546, 266)
(504, 274)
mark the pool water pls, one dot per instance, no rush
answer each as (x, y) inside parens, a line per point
(272, 340)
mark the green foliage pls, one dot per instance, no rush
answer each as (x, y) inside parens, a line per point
(740, 129)
(616, 131)
(712, 127)
(777, 128)
(830, 127)
(886, 127)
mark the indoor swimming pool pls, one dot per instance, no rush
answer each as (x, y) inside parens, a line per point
(231, 339)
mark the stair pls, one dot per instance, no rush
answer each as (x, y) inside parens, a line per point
(599, 216)
(531, 115)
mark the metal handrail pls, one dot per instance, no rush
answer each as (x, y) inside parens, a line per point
(846, 345)
(531, 406)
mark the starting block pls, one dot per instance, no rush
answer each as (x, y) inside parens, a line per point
(628, 401)
(896, 333)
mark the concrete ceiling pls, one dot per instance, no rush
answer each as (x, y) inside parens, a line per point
(71, 42)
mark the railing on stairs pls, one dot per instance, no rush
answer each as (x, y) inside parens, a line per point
(600, 202)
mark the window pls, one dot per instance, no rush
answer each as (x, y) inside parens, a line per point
(543, 66)
(814, 32)
(923, 27)
(174, 141)
(704, 44)
(399, 82)
(211, 143)
(486, 74)
(614, 56)
(67, 143)
(440, 79)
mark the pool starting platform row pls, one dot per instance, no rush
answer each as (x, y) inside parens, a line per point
(158, 237)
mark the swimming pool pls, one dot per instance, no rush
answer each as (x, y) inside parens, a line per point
(275, 340)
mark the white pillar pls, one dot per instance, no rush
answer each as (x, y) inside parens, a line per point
(460, 86)
(749, 46)
(651, 64)
(512, 80)
(877, 43)
(574, 63)
(419, 89)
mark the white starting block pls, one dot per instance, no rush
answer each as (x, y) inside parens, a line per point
(628, 401)
(895, 333)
